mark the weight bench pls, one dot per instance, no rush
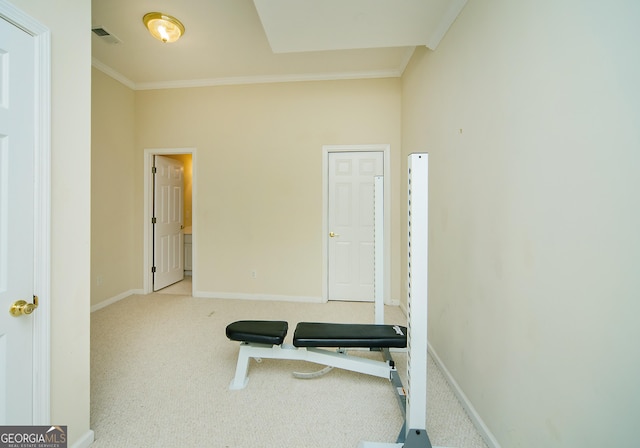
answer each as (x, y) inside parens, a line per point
(265, 339)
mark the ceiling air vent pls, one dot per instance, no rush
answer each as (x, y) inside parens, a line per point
(105, 35)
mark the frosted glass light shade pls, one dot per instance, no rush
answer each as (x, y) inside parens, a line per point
(163, 27)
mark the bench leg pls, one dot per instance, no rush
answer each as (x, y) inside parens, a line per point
(240, 379)
(316, 355)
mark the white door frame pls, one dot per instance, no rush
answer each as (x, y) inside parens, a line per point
(386, 150)
(42, 210)
(148, 203)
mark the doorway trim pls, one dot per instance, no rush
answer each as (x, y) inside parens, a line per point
(148, 203)
(41, 380)
(386, 150)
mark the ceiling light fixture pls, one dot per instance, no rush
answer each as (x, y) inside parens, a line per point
(163, 27)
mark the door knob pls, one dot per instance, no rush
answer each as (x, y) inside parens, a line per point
(21, 307)
(332, 235)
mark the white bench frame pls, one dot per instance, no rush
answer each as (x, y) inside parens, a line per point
(340, 359)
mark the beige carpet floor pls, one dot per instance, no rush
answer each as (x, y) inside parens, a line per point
(161, 366)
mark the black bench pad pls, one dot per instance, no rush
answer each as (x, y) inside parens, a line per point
(258, 331)
(314, 334)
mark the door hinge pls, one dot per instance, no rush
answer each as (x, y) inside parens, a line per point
(153, 269)
(153, 220)
(154, 170)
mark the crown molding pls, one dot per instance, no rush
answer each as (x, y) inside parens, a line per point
(266, 79)
(394, 73)
(114, 74)
(405, 61)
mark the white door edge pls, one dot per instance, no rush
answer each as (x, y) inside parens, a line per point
(168, 209)
(147, 285)
(41, 381)
(386, 150)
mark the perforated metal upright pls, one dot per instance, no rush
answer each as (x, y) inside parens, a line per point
(414, 434)
(417, 300)
(378, 248)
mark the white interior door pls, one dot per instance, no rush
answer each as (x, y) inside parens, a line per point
(351, 224)
(17, 148)
(168, 237)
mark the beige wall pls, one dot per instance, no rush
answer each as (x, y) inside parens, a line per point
(258, 173)
(69, 22)
(114, 267)
(530, 113)
(115, 233)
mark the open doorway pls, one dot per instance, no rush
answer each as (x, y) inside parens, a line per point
(187, 156)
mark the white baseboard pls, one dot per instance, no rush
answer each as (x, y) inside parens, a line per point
(115, 299)
(269, 297)
(85, 441)
(486, 434)
(215, 295)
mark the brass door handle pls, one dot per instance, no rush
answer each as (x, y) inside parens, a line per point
(333, 235)
(21, 307)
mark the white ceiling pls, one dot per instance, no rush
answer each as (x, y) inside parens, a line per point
(246, 41)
